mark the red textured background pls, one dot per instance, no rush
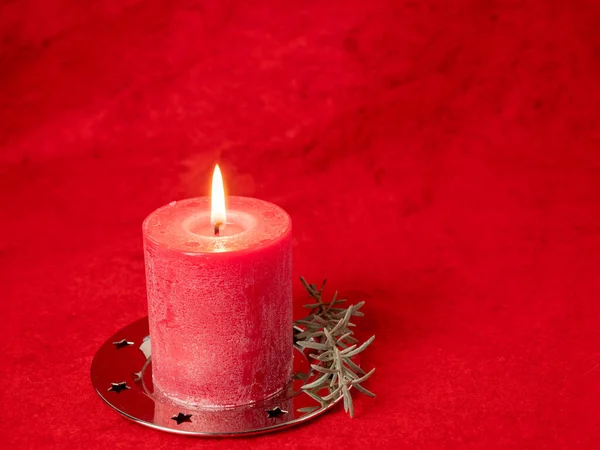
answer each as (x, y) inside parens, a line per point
(439, 159)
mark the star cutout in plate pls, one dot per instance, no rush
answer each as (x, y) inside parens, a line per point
(181, 417)
(122, 343)
(118, 387)
(276, 412)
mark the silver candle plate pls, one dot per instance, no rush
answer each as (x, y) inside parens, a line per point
(122, 377)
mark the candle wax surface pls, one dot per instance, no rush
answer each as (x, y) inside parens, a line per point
(220, 307)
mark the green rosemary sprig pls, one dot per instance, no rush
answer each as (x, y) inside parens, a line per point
(327, 331)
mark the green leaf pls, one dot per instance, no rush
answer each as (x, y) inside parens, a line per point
(322, 369)
(350, 374)
(363, 346)
(334, 379)
(347, 350)
(327, 356)
(312, 305)
(342, 323)
(344, 336)
(332, 394)
(363, 390)
(313, 345)
(314, 396)
(348, 406)
(358, 306)
(365, 377)
(323, 286)
(353, 366)
(318, 382)
(307, 323)
(308, 334)
(337, 358)
(307, 409)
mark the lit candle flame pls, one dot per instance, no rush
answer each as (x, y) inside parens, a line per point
(218, 213)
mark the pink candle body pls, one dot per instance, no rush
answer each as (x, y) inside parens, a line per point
(219, 307)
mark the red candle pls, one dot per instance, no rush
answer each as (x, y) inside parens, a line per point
(219, 299)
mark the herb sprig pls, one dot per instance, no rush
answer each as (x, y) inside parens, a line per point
(327, 330)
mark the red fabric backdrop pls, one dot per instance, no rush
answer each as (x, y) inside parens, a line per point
(439, 160)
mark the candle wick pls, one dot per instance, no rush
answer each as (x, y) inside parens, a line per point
(217, 228)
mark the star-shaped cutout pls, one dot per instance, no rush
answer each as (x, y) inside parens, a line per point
(137, 376)
(181, 417)
(122, 343)
(118, 387)
(276, 412)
